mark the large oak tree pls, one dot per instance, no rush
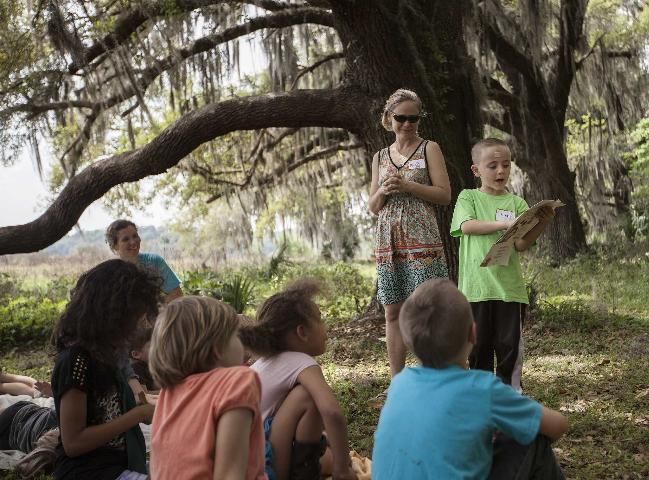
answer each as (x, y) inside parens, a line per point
(385, 44)
(546, 61)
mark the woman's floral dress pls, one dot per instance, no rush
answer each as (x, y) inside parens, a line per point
(408, 246)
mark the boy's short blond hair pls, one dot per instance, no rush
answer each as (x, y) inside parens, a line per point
(435, 322)
(478, 148)
(186, 336)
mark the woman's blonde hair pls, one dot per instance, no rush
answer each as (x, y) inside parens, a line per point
(186, 335)
(399, 96)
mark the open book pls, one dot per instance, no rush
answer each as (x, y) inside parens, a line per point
(499, 253)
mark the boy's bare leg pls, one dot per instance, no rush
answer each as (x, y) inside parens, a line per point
(299, 419)
(396, 347)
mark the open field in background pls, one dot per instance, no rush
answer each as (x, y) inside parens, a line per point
(587, 354)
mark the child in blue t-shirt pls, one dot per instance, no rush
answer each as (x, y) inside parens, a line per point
(439, 418)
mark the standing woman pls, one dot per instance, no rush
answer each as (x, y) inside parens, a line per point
(408, 177)
(123, 239)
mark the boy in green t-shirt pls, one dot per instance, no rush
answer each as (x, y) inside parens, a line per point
(497, 293)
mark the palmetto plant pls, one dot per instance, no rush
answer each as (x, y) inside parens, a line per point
(239, 292)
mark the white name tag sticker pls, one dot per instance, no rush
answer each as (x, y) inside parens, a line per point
(504, 215)
(414, 164)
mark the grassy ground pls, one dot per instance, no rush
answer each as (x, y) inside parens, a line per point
(587, 354)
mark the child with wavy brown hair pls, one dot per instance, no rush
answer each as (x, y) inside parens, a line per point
(296, 401)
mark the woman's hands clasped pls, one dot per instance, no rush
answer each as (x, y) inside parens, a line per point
(394, 183)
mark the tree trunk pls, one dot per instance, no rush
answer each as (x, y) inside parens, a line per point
(564, 237)
(550, 179)
(417, 45)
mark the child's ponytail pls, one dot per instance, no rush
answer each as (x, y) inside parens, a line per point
(259, 340)
(279, 315)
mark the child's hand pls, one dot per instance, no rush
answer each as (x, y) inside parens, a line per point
(508, 223)
(146, 413)
(545, 215)
(44, 387)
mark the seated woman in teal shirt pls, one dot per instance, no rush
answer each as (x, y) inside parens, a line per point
(123, 239)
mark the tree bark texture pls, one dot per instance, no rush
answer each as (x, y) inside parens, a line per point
(549, 179)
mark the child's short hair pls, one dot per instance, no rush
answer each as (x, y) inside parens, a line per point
(186, 335)
(435, 322)
(280, 314)
(478, 148)
(140, 338)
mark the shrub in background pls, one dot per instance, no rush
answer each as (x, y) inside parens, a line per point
(27, 320)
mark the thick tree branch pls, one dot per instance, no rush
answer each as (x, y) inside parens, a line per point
(579, 63)
(257, 153)
(508, 54)
(271, 178)
(519, 66)
(338, 108)
(128, 22)
(34, 108)
(571, 25)
(499, 94)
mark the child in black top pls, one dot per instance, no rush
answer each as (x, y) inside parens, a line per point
(140, 358)
(98, 420)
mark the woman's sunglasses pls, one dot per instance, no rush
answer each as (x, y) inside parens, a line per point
(408, 118)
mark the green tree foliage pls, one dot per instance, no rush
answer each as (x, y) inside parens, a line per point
(639, 164)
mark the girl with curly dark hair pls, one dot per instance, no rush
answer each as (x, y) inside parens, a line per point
(96, 410)
(296, 401)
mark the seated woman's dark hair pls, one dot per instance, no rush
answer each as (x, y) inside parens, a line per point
(105, 308)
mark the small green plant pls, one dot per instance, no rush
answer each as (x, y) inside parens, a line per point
(205, 283)
(7, 286)
(279, 258)
(239, 292)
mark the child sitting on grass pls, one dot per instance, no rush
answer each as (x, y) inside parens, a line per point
(207, 422)
(97, 415)
(296, 401)
(139, 353)
(439, 419)
(23, 385)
